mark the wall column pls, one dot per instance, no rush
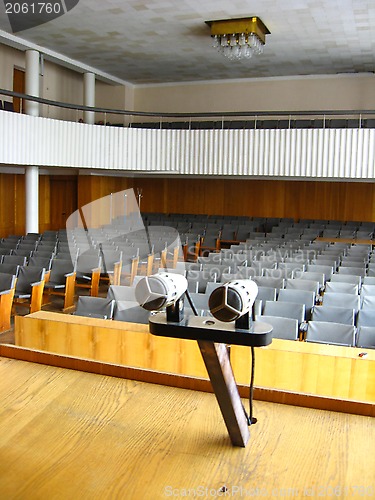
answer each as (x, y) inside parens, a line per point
(32, 172)
(89, 96)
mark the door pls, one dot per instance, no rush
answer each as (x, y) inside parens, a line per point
(18, 86)
(63, 191)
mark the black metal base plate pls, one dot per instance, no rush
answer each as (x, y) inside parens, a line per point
(206, 328)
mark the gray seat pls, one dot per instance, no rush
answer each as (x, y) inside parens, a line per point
(299, 297)
(28, 276)
(121, 292)
(266, 293)
(130, 311)
(346, 278)
(214, 271)
(9, 269)
(29, 287)
(42, 262)
(333, 314)
(337, 299)
(311, 276)
(247, 272)
(368, 302)
(270, 282)
(366, 317)
(331, 333)
(7, 281)
(326, 270)
(291, 310)
(356, 271)
(366, 337)
(211, 287)
(200, 302)
(303, 284)
(367, 289)
(95, 307)
(19, 260)
(341, 287)
(282, 328)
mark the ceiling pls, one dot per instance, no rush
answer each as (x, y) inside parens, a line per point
(159, 41)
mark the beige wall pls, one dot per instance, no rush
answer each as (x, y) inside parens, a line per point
(298, 93)
(113, 97)
(9, 58)
(65, 85)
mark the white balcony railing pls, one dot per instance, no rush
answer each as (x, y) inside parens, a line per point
(290, 153)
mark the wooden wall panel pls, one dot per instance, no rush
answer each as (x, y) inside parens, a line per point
(260, 198)
(91, 188)
(44, 203)
(7, 204)
(256, 198)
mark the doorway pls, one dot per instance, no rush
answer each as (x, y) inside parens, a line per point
(64, 200)
(18, 86)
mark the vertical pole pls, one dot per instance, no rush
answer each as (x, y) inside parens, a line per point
(89, 96)
(111, 209)
(32, 172)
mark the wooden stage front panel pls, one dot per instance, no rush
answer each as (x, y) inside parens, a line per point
(317, 369)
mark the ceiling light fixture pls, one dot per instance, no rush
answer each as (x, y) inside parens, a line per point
(239, 38)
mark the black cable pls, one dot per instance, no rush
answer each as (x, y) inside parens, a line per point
(187, 293)
(251, 419)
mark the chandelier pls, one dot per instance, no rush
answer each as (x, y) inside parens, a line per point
(238, 38)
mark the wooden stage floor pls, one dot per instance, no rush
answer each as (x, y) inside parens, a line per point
(67, 434)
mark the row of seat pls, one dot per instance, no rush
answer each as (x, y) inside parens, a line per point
(6, 106)
(285, 123)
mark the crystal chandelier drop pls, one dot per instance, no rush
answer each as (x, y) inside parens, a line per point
(238, 38)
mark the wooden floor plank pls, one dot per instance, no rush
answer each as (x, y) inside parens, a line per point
(69, 434)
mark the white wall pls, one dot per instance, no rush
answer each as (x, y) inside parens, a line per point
(272, 94)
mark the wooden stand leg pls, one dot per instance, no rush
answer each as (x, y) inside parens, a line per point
(216, 359)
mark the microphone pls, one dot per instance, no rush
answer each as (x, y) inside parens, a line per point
(233, 299)
(160, 290)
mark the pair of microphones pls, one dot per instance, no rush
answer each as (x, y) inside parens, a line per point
(228, 302)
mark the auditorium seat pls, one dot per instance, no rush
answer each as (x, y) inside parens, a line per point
(95, 307)
(88, 271)
(282, 328)
(346, 278)
(366, 317)
(300, 297)
(291, 310)
(210, 287)
(9, 269)
(29, 288)
(333, 314)
(15, 259)
(7, 288)
(331, 333)
(338, 299)
(368, 302)
(130, 311)
(61, 281)
(41, 261)
(366, 337)
(341, 287)
(271, 282)
(112, 264)
(303, 284)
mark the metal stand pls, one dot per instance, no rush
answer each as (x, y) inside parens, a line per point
(213, 336)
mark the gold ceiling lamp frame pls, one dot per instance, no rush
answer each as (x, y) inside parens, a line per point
(239, 38)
